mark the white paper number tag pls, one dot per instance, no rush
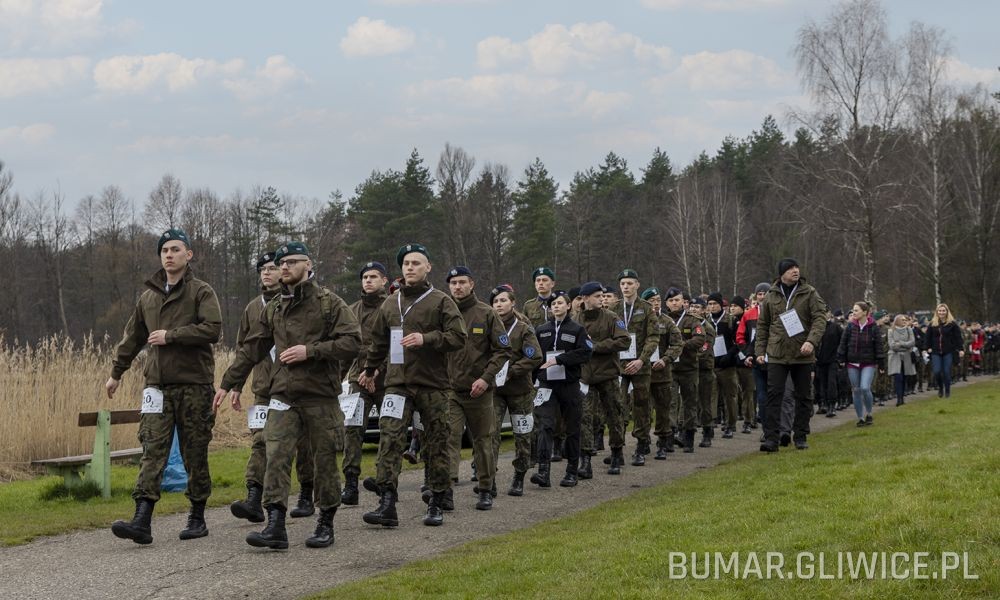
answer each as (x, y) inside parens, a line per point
(793, 326)
(278, 405)
(584, 388)
(152, 401)
(417, 423)
(655, 357)
(555, 372)
(274, 351)
(392, 406)
(631, 352)
(542, 396)
(257, 416)
(395, 345)
(501, 377)
(353, 409)
(522, 424)
(719, 348)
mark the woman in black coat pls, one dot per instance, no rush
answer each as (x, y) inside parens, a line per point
(862, 349)
(943, 340)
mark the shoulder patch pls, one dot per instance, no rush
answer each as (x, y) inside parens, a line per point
(698, 330)
(504, 340)
(529, 351)
(590, 344)
(620, 323)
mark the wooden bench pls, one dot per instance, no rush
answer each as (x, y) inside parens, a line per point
(95, 467)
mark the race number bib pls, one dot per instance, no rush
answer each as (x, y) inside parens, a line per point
(353, 409)
(542, 396)
(555, 372)
(392, 406)
(257, 416)
(277, 405)
(522, 424)
(719, 348)
(655, 357)
(793, 326)
(629, 354)
(152, 401)
(501, 377)
(396, 345)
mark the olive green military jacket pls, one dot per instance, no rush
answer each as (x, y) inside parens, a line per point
(642, 322)
(536, 311)
(437, 317)
(297, 317)
(251, 321)
(706, 355)
(772, 338)
(670, 345)
(527, 356)
(486, 348)
(608, 334)
(365, 311)
(693, 335)
(190, 314)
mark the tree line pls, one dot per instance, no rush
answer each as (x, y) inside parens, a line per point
(888, 191)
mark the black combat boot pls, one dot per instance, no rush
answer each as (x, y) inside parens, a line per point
(485, 500)
(679, 438)
(138, 529)
(585, 471)
(661, 449)
(323, 536)
(617, 460)
(727, 433)
(447, 503)
(689, 441)
(638, 459)
(305, 507)
(706, 437)
(434, 516)
(569, 479)
(350, 494)
(385, 513)
(475, 474)
(599, 440)
(541, 478)
(196, 527)
(273, 536)
(556, 453)
(517, 484)
(250, 509)
(370, 485)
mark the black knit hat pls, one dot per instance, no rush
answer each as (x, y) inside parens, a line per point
(716, 297)
(785, 264)
(738, 301)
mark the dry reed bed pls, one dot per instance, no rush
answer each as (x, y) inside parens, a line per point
(44, 386)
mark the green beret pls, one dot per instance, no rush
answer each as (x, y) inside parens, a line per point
(408, 248)
(543, 271)
(649, 293)
(289, 249)
(628, 274)
(880, 314)
(173, 233)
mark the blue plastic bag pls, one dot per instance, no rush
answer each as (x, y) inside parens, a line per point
(175, 478)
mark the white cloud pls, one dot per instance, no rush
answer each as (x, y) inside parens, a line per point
(276, 74)
(966, 74)
(172, 143)
(724, 71)
(133, 74)
(598, 104)
(29, 134)
(28, 75)
(504, 91)
(714, 5)
(47, 24)
(557, 48)
(367, 37)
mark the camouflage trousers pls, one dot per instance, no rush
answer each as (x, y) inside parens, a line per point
(641, 406)
(688, 383)
(476, 414)
(189, 408)
(662, 395)
(257, 462)
(707, 407)
(603, 399)
(519, 406)
(354, 436)
(394, 439)
(323, 426)
(748, 392)
(729, 390)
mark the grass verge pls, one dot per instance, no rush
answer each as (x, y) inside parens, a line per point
(923, 479)
(34, 507)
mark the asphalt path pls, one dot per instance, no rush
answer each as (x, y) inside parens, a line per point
(96, 565)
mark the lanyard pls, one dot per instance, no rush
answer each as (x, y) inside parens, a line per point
(512, 326)
(558, 325)
(788, 298)
(681, 318)
(721, 317)
(399, 303)
(627, 313)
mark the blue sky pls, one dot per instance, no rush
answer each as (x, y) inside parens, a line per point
(312, 96)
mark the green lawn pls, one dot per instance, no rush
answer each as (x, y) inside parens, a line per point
(924, 478)
(27, 515)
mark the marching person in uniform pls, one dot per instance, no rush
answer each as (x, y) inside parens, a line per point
(685, 366)
(178, 316)
(669, 347)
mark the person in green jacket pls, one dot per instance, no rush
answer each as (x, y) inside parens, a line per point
(789, 328)
(661, 382)
(178, 317)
